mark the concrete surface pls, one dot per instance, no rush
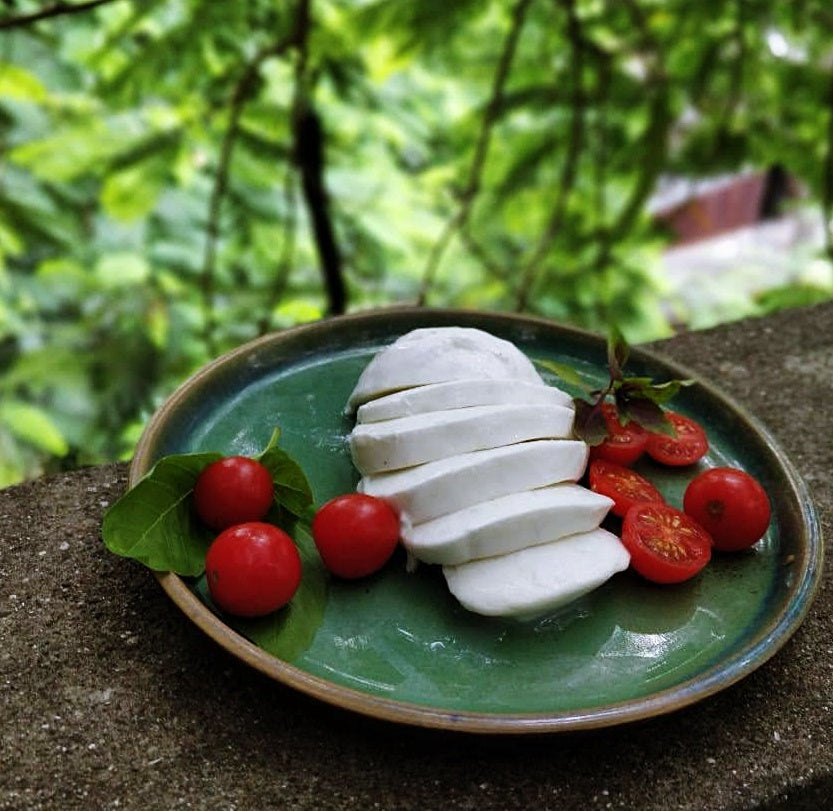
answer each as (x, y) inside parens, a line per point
(110, 698)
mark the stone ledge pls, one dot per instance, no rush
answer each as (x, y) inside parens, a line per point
(111, 699)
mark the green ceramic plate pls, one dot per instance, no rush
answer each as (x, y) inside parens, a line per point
(399, 647)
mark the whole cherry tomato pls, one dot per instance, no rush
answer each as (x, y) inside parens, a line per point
(355, 534)
(687, 447)
(233, 490)
(252, 569)
(730, 505)
(666, 545)
(625, 486)
(624, 443)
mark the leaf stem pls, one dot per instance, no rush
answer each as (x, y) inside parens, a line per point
(569, 169)
(470, 190)
(242, 93)
(827, 178)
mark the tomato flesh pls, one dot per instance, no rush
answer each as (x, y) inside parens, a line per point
(689, 445)
(666, 545)
(730, 505)
(625, 486)
(355, 534)
(624, 443)
(252, 569)
(231, 491)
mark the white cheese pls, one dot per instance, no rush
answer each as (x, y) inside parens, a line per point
(394, 444)
(506, 524)
(539, 579)
(460, 394)
(447, 485)
(437, 355)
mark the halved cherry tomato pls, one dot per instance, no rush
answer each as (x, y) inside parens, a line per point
(690, 444)
(625, 486)
(666, 545)
(730, 505)
(624, 443)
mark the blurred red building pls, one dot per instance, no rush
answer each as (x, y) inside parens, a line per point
(695, 210)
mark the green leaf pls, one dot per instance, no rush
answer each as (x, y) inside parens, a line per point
(122, 269)
(644, 387)
(154, 522)
(289, 631)
(292, 490)
(563, 370)
(34, 426)
(663, 392)
(132, 193)
(17, 83)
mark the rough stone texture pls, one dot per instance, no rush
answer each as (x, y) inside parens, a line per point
(110, 698)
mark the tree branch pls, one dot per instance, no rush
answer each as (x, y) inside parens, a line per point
(285, 263)
(600, 175)
(469, 193)
(655, 145)
(242, 92)
(569, 169)
(477, 250)
(736, 71)
(827, 178)
(309, 154)
(55, 10)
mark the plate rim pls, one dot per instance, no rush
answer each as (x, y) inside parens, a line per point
(717, 677)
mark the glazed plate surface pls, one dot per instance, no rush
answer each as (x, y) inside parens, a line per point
(397, 646)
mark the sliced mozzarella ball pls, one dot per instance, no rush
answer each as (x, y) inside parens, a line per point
(506, 524)
(437, 355)
(409, 441)
(460, 394)
(538, 579)
(446, 485)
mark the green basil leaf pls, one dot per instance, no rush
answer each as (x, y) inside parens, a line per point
(154, 523)
(289, 631)
(663, 392)
(564, 372)
(645, 388)
(292, 490)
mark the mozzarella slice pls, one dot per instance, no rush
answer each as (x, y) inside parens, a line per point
(538, 579)
(409, 441)
(506, 524)
(446, 485)
(437, 355)
(460, 394)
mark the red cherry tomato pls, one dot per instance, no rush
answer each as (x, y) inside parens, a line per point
(233, 490)
(355, 534)
(730, 505)
(687, 447)
(624, 443)
(252, 569)
(666, 545)
(625, 486)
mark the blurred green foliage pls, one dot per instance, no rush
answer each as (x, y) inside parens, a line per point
(489, 154)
